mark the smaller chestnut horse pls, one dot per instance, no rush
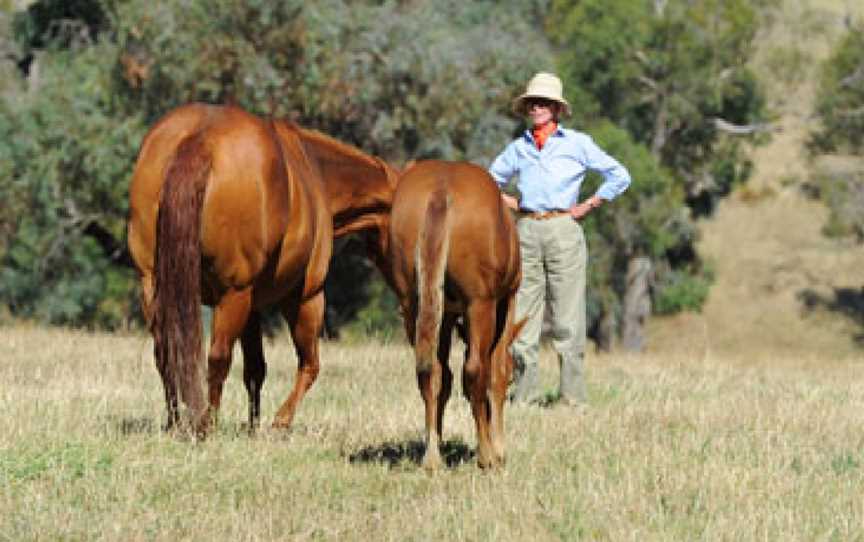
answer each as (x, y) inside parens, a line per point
(453, 251)
(239, 212)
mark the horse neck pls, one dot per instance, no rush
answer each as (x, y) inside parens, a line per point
(359, 187)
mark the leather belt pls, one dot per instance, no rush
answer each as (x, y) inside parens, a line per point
(542, 215)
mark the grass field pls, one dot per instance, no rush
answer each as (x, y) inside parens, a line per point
(677, 447)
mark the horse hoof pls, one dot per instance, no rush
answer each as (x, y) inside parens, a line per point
(490, 463)
(432, 463)
(281, 424)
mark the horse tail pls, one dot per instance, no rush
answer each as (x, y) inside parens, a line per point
(431, 262)
(176, 322)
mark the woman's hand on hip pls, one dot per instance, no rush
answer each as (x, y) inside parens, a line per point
(580, 210)
(510, 202)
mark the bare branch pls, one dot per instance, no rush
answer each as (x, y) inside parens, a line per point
(648, 82)
(853, 78)
(746, 129)
(847, 113)
(642, 57)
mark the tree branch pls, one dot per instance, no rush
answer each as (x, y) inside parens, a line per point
(847, 113)
(853, 78)
(745, 129)
(115, 251)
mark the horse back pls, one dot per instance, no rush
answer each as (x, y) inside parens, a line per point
(483, 249)
(253, 204)
(156, 154)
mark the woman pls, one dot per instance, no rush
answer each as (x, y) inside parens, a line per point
(551, 162)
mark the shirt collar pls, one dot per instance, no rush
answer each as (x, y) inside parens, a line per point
(530, 136)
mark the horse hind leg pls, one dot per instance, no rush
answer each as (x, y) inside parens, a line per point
(444, 344)
(476, 375)
(254, 367)
(229, 320)
(435, 380)
(305, 322)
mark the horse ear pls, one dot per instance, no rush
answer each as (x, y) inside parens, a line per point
(517, 329)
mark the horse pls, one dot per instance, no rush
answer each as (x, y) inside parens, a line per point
(239, 213)
(453, 256)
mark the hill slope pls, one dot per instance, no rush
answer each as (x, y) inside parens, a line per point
(765, 241)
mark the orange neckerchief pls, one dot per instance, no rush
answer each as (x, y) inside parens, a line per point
(541, 134)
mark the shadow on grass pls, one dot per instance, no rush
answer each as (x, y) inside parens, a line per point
(392, 454)
(846, 301)
(141, 425)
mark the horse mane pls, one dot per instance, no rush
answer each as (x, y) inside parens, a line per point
(332, 144)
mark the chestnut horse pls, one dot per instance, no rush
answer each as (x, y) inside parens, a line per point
(453, 252)
(239, 213)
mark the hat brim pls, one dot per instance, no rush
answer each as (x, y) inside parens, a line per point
(519, 103)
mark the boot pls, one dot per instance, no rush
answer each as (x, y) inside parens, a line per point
(572, 389)
(524, 386)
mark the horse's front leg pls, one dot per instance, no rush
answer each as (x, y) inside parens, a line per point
(254, 366)
(502, 371)
(305, 321)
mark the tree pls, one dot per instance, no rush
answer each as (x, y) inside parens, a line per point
(673, 75)
(840, 110)
(650, 222)
(840, 98)
(61, 177)
(399, 79)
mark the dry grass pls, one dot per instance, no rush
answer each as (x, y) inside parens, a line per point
(675, 447)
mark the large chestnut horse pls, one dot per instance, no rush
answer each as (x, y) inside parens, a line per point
(239, 212)
(454, 252)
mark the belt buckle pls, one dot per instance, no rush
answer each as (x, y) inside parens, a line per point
(543, 215)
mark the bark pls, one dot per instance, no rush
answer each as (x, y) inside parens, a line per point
(637, 303)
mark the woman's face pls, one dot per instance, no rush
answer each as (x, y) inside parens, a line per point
(541, 111)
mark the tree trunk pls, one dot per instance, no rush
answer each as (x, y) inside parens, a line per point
(637, 303)
(658, 139)
(606, 329)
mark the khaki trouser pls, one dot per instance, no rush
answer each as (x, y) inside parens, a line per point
(554, 258)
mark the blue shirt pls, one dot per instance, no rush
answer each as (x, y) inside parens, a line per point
(550, 179)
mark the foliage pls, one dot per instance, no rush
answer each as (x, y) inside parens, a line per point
(666, 72)
(843, 193)
(58, 24)
(61, 177)
(395, 78)
(840, 110)
(670, 74)
(401, 80)
(840, 99)
(358, 299)
(679, 291)
(650, 219)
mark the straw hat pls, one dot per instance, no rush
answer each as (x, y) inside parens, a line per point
(542, 85)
